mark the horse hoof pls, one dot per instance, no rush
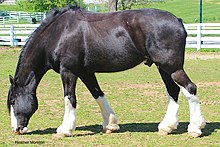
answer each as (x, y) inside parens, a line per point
(111, 128)
(162, 132)
(20, 132)
(194, 134)
(61, 134)
(108, 131)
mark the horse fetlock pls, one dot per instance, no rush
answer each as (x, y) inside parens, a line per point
(110, 128)
(65, 131)
(110, 123)
(165, 128)
(194, 130)
(162, 132)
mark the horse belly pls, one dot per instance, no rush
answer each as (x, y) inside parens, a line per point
(111, 50)
(112, 60)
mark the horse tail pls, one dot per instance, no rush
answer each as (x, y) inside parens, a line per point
(181, 22)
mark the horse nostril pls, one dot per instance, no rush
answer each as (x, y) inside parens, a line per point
(18, 129)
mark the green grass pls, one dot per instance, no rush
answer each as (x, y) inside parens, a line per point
(189, 10)
(138, 97)
(203, 50)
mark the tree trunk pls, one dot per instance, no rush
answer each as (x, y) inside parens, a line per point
(112, 5)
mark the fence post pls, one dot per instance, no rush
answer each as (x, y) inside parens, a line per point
(199, 28)
(12, 35)
(3, 19)
(17, 19)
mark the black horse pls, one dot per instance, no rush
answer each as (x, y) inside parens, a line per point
(77, 43)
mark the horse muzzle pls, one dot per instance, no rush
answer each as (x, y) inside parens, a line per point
(20, 130)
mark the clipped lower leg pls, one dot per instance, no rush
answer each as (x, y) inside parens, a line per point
(170, 120)
(110, 123)
(197, 121)
(69, 120)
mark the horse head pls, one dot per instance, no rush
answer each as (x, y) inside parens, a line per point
(22, 103)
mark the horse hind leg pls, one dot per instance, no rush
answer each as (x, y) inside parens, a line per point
(170, 120)
(189, 89)
(110, 123)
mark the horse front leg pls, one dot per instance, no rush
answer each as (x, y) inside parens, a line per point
(170, 120)
(69, 120)
(189, 89)
(110, 123)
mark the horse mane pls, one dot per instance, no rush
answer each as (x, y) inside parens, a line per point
(53, 15)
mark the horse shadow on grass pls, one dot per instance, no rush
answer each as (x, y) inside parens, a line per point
(210, 128)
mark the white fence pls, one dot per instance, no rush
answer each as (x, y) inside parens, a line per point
(206, 35)
(6, 20)
(15, 35)
(15, 17)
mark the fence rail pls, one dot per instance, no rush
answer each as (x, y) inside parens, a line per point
(206, 35)
(15, 35)
(16, 16)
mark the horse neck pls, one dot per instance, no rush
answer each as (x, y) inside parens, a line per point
(31, 61)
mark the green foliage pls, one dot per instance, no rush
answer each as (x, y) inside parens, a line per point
(10, 8)
(126, 4)
(46, 5)
(129, 4)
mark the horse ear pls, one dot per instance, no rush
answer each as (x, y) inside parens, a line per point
(31, 81)
(12, 81)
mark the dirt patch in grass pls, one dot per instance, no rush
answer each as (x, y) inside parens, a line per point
(202, 55)
(208, 84)
(149, 89)
(140, 86)
(5, 48)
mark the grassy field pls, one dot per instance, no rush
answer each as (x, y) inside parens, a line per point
(188, 10)
(138, 97)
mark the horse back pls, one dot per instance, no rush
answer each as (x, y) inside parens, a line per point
(121, 40)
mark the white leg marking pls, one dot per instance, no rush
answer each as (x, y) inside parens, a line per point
(170, 120)
(69, 120)
(197, 121)
(13, 120)
(110, 123)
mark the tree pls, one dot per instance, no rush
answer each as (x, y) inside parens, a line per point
(113, 5)
(46, 5)
(127, 4)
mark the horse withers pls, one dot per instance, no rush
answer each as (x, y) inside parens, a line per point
(76, 44)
